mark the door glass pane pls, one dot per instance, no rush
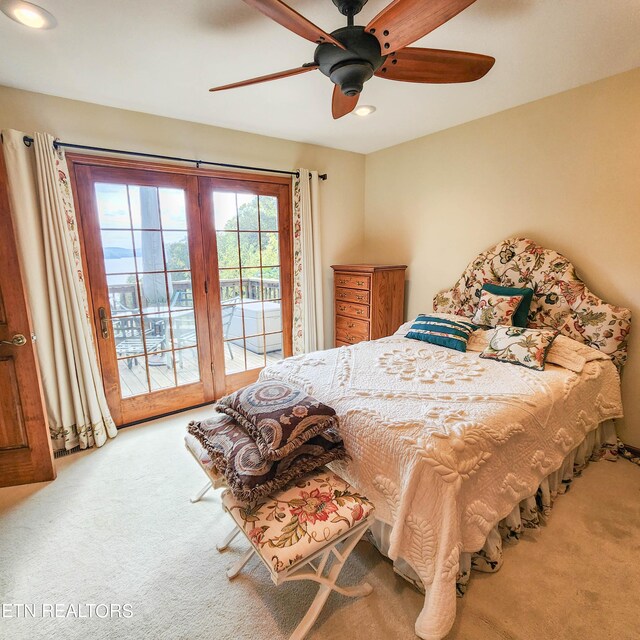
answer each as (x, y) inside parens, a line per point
(187, 366)
(123, 295)
(247, 212)
(271, 283)
(268, 213)
(270, 249)
(127, 334)
(173, 209)
(251, 284)
(133, 376)
(148, 248)
(249, 249)
(117, 248)
(113, 208)
(232, 321)
(252, 329)
(176, 249)
(161, 371)
(153, 292)
(144, 235)
(181, 290)
(274, 347)
(145, 211)
(224, 210)
(228, 249)
(229, 285)
(184, 329)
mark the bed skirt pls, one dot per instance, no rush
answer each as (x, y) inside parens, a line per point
(599, 444)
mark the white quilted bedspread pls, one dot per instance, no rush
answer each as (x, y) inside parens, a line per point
(446, 444)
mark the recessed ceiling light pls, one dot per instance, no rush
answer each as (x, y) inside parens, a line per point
(364, 110)
(28, 14)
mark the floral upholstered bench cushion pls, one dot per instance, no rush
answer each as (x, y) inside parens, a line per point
(300, 520)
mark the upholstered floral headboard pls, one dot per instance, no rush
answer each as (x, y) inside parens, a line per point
(560, 301)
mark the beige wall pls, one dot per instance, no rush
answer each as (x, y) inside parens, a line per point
(564, 171)
(341, 196)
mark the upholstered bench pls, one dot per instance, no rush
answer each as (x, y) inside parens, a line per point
(200, 455)
(297, 530)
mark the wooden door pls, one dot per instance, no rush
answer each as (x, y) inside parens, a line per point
(25, 443)
(146, 271)
(246, 226)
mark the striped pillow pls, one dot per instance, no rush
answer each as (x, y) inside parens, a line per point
(452, 334)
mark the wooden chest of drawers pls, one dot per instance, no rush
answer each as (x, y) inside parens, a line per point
(369, 301)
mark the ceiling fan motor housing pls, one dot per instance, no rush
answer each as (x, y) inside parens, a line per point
(352, 67)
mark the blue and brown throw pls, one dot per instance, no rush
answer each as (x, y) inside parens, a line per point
(278, 416)
(235, 455)
(453, 334)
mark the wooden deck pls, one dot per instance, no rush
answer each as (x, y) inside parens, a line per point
(133, 378)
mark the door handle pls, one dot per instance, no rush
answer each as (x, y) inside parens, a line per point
(104, 323)
(17, 341)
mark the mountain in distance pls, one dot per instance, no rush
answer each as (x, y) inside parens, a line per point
(115, 253)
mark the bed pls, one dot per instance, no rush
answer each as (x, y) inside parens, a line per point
(458, 452)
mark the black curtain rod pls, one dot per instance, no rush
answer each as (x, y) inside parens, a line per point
(67, 145)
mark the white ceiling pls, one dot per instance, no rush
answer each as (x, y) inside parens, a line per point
(161, 56)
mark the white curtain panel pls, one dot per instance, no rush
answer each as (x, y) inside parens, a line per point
(49, 247)
(308, 331)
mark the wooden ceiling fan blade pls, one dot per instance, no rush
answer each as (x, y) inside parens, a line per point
(405, 21)
(437, 66)
(271, 76)
(341, 104)
(290, 19)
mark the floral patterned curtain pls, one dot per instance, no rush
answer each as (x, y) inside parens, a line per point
(308, 332)
(47, 234)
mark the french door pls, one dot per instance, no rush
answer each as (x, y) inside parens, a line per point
(246, 227)
(189, 279)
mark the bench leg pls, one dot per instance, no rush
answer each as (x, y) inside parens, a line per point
(236, 568)
(202, 492)
(328, 584)
(222, 546)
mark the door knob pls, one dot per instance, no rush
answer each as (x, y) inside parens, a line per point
(17, 341)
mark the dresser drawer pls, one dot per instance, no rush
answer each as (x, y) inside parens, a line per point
(351, 309)
(353, 281)
(352, 295)
(350, 330)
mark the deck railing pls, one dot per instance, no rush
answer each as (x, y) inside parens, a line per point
(123, 297)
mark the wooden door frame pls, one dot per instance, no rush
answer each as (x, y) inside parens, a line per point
(29, 457)
(281, 184)
(285, 229)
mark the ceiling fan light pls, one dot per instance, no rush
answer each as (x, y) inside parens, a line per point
(28, 14)
(364, 110)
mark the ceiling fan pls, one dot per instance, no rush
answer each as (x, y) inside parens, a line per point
(351, 55)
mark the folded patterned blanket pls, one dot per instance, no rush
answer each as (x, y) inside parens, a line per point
(235, 454)
(278, 416)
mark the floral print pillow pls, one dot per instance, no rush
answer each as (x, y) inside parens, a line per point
(494, 309)
(517, 345)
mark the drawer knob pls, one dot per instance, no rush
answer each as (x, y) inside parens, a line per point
(351, 325)
(360, 283)
(359, 297)
(342, 281)
(358, 312)
(342, 307)
(342, 295)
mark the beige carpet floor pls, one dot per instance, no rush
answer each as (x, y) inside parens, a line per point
(117, 527)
